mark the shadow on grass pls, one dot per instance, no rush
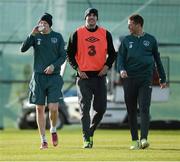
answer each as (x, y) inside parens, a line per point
(165, 149)
(110, 148)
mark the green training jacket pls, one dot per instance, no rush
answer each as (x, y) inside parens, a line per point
(48, 49)
(139, 55)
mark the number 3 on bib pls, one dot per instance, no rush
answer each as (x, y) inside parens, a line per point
(92, 50)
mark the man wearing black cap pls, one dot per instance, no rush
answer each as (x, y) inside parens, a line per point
(86, 52)
(46, 82)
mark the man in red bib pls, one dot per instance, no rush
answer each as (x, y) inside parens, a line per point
(91, 53)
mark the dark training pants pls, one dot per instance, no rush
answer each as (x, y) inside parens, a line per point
(137, 91)
(93, 92)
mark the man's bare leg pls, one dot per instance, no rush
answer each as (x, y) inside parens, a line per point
(41, 122)
(53, 116)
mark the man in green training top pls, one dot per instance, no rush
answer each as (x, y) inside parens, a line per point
(46, 82)
(137, 57)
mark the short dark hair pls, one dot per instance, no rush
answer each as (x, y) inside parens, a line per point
(137, 19)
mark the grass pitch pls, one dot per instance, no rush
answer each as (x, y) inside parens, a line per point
(109, 145)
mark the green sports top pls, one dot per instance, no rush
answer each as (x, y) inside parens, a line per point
(139, 55)
(48, 49)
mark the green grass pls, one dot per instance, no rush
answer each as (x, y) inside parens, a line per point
(109, 145)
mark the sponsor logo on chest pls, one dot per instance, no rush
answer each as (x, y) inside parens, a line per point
(92, 39)
(39, 41)
(131, 44)
(146, 43)
(53, 40)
